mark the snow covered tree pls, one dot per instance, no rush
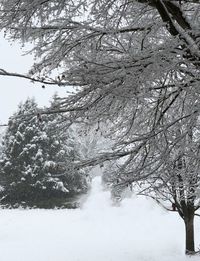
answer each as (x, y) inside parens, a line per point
(130, 61)
(177, 180)
(37, 161)
(178, 184)
(66, 151)
(1, 134)
(0, 142)
(170, 171)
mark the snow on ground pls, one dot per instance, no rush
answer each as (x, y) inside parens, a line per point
(138, 230)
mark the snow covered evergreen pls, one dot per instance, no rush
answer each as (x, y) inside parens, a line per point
(38, 158)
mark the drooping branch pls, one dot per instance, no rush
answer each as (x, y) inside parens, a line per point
(46, 81)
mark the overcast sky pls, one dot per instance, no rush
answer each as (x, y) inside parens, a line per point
(14, 90)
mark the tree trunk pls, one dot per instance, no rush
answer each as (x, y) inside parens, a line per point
(189, 234)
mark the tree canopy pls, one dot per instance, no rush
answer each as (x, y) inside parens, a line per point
(135, 64)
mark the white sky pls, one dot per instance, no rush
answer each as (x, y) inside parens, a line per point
(14, 90)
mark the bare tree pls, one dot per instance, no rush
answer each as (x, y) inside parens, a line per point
(178, 179)
(168, 169)
(130, 60)
(135, 66)
(178, 183)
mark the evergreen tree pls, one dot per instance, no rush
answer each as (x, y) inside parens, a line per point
(38, 159)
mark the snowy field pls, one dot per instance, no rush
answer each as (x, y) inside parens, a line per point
(139, 230)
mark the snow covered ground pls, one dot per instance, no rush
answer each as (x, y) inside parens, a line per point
(139, 230)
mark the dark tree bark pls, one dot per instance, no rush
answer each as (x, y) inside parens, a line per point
(189, 234)
(186, 207)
